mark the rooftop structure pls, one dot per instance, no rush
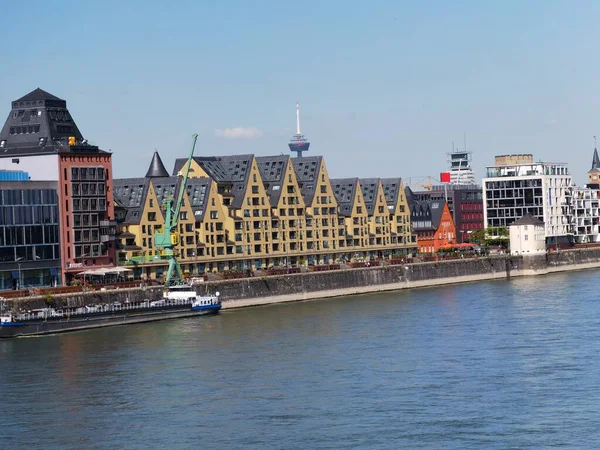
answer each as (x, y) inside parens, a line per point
(460, 168)
(298, 143)
(527, 169)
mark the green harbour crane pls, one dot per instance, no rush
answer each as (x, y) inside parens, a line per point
(167, 237)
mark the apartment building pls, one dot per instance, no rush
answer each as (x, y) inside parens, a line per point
(516, 185)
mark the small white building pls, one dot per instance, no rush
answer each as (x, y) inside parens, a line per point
(527, 236)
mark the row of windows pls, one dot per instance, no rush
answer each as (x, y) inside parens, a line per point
(88, 173)
(89, 204)
(28, 215)
(90, 251)
(83, 189)
(81, 236)
(29, 235)
(29, 129)
(471, 206)
(28, 197)
(85, 220)
(29, 253)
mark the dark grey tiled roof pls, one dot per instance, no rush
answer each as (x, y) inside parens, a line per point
(272, 170)
(307, 171)
(198, 190)
(369, 188)
(344, 190)
(230, 170)
(527, 219)
(157, 168)
(426, 210)
(391, 190)
(131, 193)
(165, 188)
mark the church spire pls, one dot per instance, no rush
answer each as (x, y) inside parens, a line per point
(595, 159)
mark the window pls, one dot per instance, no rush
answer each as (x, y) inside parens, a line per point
(214, 215)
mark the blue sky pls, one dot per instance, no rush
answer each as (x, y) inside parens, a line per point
(384, 86)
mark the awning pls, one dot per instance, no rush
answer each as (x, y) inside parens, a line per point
(114, 270)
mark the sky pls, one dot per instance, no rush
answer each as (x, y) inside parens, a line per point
(385, 87)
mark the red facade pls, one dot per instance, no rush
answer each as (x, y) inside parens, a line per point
(86, 209)
(430, 241)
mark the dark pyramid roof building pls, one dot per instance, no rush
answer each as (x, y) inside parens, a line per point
(39, 123)
(40, 94)
(157, 168)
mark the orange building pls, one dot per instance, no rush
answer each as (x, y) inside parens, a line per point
(432, 223)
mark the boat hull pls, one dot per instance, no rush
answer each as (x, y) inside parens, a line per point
(63, 324)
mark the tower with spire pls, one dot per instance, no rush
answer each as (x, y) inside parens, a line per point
(298, 143)
(594, 172)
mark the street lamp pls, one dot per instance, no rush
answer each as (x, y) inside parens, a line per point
(18, 260)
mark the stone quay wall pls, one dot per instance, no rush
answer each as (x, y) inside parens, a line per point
(305, 286)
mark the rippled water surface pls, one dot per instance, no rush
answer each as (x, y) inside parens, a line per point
(505, 364)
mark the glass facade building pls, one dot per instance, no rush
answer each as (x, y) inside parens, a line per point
(29, 234)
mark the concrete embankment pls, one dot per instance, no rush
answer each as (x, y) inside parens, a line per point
(305, 286)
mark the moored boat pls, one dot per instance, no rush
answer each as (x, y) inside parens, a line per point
(178, 301)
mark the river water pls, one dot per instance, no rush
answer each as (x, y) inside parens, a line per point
(503, 364)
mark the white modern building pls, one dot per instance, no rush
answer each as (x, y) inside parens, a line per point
(586, 215)
(585, 218)
(527, 236)
(516, 186)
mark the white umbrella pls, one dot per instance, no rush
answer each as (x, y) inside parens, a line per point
(115, 270)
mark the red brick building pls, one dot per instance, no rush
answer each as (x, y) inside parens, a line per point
(432, 223)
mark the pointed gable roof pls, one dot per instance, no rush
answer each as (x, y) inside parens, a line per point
(233, 171)
(272, 170)
(157, 168)
(344, 190)
(391, 190)
(131, 193)
(307, 173)
(369, 188)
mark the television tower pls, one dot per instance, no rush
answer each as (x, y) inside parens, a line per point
(298, 143)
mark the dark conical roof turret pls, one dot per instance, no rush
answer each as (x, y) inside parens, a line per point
(157, 168)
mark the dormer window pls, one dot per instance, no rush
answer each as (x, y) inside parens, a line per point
(2, 144)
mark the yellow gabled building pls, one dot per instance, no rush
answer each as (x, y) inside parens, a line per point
(288, 237)
(246, 213)
(353, 224)
(403, 240)
(240, 185)
(321, 209)
(378, 217)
